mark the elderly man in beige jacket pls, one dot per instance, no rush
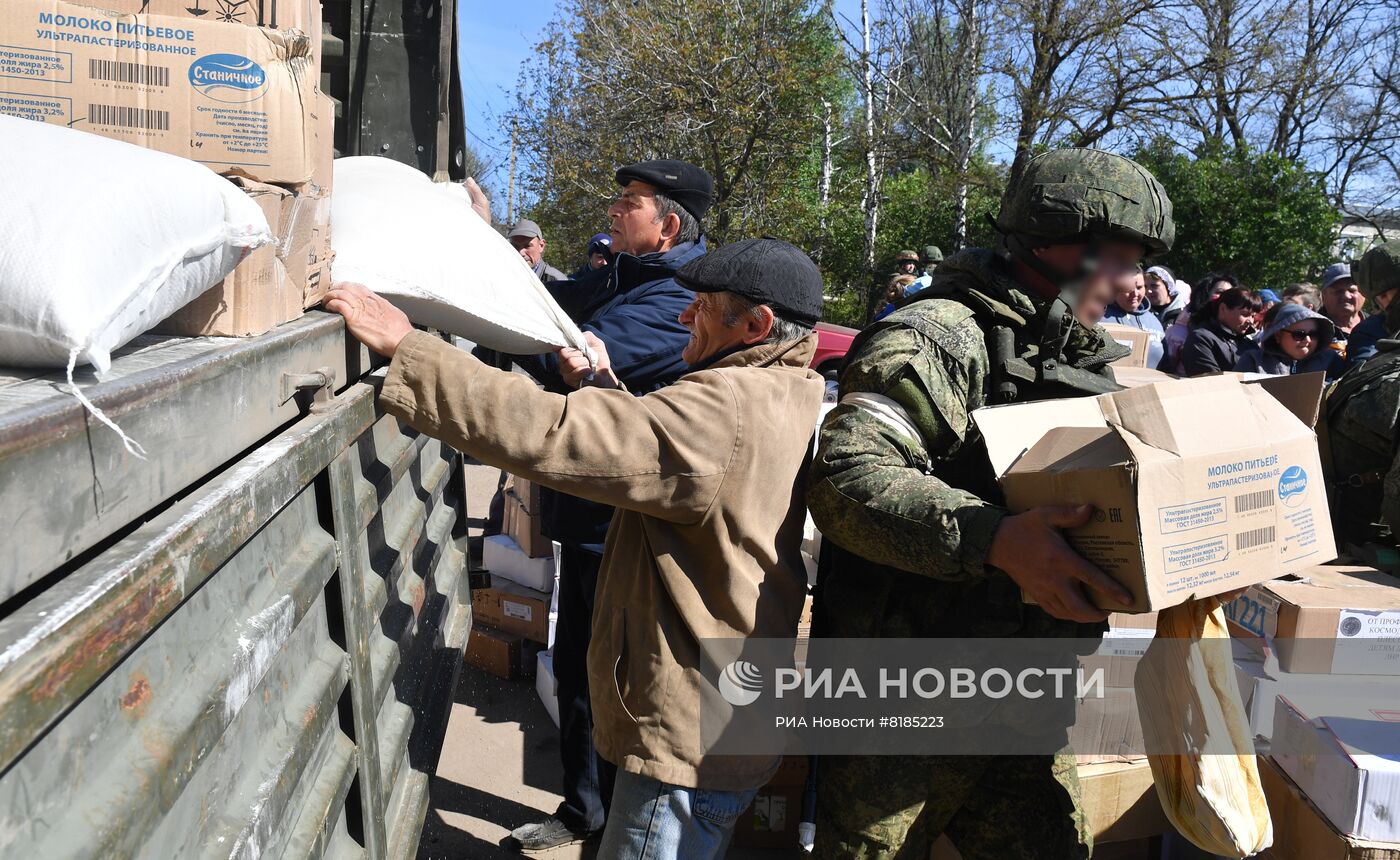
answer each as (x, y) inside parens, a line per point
(705, 541)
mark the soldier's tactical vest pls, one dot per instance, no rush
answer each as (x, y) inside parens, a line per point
(1358, 435)
(1022, 369)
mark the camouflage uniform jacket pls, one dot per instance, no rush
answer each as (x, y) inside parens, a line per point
(1363, 423)
(908, 517)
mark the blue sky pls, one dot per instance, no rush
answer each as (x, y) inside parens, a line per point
(494, 39)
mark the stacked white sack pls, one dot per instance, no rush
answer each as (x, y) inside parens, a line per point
(100, 240)
(103, 239)
(423, 247)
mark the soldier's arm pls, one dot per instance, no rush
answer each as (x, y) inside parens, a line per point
(870, 489)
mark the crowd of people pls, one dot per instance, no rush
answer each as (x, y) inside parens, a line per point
(1219, 325)
(679, 469)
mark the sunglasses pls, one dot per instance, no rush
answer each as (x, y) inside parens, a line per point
(1301, 335)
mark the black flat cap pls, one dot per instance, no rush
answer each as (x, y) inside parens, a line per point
(766, 271)
(688, 185)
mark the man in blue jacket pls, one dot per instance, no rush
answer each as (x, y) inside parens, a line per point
(634, 307)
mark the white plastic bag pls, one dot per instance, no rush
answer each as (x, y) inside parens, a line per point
(424, 248)
(101, 240)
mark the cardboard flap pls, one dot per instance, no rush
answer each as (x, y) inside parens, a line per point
(1011, 430)
(1300, 393)
(1339, 587)
(1068, 448)
(1190, 417)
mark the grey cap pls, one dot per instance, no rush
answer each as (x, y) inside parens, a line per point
(525, 227)
(1334, 273)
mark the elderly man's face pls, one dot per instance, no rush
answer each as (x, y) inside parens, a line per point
(1341, 299)
(530, 249)
(711, 333)
(634, 226)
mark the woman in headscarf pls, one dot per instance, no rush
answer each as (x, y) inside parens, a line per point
(1294, 340)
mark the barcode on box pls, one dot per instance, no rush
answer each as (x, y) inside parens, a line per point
(129, 73)
(1257, 537)
(1254, 501)
(129, 117)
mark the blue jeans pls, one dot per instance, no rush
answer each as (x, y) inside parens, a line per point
(650, 820)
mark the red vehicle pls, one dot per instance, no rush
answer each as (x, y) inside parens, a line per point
(833, 341)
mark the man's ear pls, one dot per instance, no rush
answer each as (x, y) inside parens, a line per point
(758, 324)
(670, 227)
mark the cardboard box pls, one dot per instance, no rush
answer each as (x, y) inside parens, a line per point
(545, 684)
(505, 559)
(1122, 647)
(1344, 753)
(239, 99)
(273, 284)
(494, 651)
(514, 609)
(1338, 619)
(1133, 338)
(1201, 485)
(322, 180)
(1301, 832)
(521, 518)
(1107, 729)
(1120, 801)
(771, 820)
(1134, 377)
(281, 14)
(1262, 681)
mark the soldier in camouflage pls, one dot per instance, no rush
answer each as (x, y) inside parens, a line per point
(918, 541)
(1362, 414)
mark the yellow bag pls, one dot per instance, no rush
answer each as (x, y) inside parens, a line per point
(1187, 697)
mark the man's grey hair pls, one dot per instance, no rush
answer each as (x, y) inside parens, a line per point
(736, 307)
(690, 228)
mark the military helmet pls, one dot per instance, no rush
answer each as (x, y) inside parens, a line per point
(1066, 194)
(1379, 269)
(906, 255)
(933, 254)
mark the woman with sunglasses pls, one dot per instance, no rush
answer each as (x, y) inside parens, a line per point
(1294, 340)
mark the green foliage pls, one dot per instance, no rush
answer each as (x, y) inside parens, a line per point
(1260, 216)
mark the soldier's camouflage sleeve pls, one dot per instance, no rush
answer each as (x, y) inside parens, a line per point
(870, 489)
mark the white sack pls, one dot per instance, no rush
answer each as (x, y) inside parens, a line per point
(423, 247)
(100, 240)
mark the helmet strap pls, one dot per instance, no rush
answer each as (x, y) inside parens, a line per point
(1059, 317)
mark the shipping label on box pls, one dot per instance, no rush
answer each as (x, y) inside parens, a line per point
(239, 99)
(1342, 619)
(513, 608)
(1190, 500)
